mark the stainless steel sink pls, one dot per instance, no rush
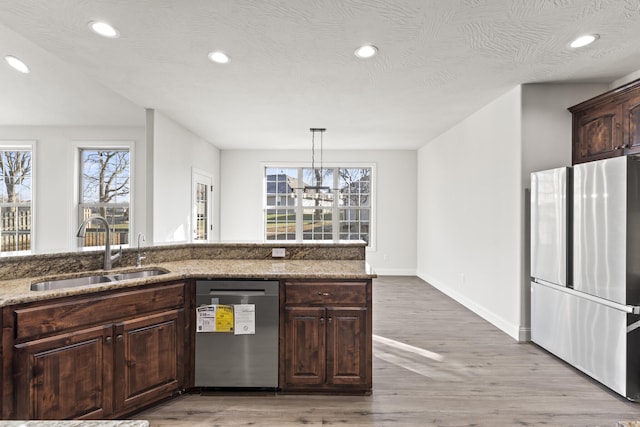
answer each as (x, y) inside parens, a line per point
(93, 280)
(140, 274)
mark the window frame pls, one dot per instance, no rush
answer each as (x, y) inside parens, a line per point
(25, 145)
(198, 176)
(101, 145)
(335, 209)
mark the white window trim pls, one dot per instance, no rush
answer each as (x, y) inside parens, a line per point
(194, 172)
(373, 225)
(7, 145)
(78, 145)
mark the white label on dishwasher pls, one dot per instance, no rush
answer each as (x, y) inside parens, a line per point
(206, 318)
(245, 319)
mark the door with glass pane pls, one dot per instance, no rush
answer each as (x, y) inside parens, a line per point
(202, 198)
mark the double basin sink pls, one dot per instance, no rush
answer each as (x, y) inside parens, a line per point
(94, 279)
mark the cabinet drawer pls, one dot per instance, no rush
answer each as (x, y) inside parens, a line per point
(79, 312)
(353, 293)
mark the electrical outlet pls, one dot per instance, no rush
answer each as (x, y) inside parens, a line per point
(278, 252)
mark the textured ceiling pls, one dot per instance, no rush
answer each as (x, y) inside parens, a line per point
(292, 64)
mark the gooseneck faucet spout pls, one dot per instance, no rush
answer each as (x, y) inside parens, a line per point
(108, 258)
(141, 256)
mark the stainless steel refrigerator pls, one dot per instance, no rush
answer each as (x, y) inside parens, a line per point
(592, 319)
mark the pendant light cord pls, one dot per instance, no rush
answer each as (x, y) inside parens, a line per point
(313, 152)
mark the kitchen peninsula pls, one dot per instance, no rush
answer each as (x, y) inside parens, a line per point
(126, 344)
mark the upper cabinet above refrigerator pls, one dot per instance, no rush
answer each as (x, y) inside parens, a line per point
(606, 229)
(550, 219)
(608, 125)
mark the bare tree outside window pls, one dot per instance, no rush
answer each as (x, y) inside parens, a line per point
(15, 200)
(355, 203)
(16, 172)
(105, 191)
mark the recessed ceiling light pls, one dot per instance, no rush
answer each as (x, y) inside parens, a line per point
(17, 64)
(103, 29)
(366, 51)
(219, 57)
(584, 40)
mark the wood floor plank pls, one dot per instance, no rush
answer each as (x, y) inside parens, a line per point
(483, 378)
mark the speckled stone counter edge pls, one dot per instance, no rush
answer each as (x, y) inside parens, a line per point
(180, 262)
(53, 423)
(74, 262)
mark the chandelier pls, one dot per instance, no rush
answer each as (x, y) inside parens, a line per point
(316, 191)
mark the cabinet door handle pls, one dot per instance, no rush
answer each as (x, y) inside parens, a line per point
(108, 340)
(322, 320)
(119, 337)
(329, 319)
(324, 294)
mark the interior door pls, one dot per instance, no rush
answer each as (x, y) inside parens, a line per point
(201, 207)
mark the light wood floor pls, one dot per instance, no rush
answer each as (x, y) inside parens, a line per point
(471, 374)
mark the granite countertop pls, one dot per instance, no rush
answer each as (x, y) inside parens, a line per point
(114, 423)
(17, 291)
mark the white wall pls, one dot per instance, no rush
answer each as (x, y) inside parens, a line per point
(55, 185)
(624, 80)
(241, 199)
(473, 182)
(546, 123)
(469, 243)
(176, 151)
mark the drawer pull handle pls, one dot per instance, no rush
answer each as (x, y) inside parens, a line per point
(324, 294)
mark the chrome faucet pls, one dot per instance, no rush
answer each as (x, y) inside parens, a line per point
(108, 258)
(140, 256)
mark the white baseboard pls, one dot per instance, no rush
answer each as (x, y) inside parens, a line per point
(394, 271)
(514, 331)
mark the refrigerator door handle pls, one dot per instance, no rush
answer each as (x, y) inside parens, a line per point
(632, 327)
(631, 309)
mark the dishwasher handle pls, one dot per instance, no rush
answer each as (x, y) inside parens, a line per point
(238, 292)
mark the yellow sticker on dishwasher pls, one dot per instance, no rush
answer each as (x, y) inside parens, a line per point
(224, 318)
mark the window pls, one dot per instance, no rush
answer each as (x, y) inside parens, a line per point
(105, 191)
(336, 205)
(201, 206)
(16, 199)
(280, 213)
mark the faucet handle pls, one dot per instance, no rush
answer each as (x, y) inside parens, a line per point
(141, 256)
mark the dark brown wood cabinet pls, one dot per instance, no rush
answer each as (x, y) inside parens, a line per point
(608, 125)
(65, 376)
(149, 359)
(94, 357)
(326, 337)
(631, 123)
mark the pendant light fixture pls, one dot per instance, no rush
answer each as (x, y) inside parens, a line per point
(315, 190)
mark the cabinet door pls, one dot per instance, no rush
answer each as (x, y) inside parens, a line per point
(149, 359)
(346, 345)
(305, 356)
(598, 133)
(65, 376)
(631, 120)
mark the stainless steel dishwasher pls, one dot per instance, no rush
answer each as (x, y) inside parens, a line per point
(226, 359)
